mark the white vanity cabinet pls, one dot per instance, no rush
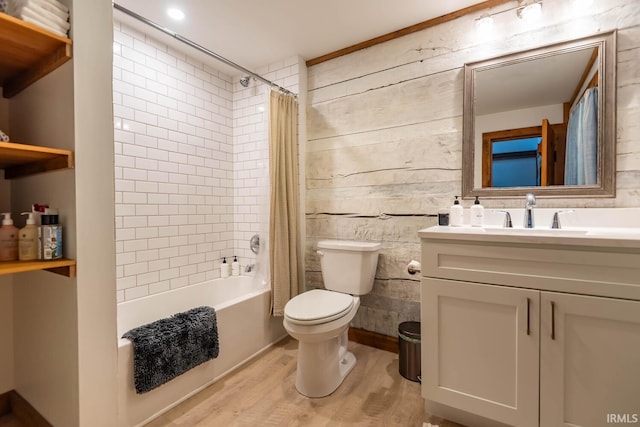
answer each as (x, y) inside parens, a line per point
(589, 360)
(533, 332)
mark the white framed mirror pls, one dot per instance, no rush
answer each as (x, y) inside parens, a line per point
(542, 121)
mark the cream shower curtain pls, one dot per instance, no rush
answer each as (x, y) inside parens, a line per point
(284, 239)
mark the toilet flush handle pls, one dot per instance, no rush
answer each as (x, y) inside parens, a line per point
(320, 253)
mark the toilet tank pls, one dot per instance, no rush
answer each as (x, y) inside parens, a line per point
(348, 266)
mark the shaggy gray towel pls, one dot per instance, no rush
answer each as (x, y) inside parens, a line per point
(166, 348)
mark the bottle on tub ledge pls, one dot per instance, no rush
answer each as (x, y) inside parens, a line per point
(225, 268)
(49, 236)
(235, 267)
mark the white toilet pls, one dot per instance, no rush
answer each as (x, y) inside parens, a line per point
(319, 319)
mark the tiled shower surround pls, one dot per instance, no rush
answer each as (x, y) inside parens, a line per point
(190, 143)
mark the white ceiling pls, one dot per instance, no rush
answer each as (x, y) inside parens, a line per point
(255, 33)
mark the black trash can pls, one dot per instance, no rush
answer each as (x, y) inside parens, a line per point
(409, 350)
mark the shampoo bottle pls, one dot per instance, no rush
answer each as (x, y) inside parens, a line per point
(8, 239)
(50, 236)
(455, 216)
(225, 268)
(477, 213)
(235, 267)
(28, 239)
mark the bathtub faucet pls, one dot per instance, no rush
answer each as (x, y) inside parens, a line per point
(249, 268)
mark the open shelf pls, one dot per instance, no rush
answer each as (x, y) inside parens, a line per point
(65, 267)
(20, 160)
(27, 53)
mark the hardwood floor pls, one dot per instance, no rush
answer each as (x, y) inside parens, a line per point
(262, 393)
(10, 420)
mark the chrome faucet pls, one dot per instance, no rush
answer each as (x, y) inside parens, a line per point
(528, 211)
(555, 224)
(507, 220)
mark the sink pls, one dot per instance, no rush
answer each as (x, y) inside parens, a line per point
(602, 232)
(537, 231)
(617, 233)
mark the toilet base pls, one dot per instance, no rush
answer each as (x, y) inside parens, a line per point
(322, 366)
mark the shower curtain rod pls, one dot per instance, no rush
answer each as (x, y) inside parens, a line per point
(202, 49)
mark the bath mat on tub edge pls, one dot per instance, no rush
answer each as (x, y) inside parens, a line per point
(166, 348)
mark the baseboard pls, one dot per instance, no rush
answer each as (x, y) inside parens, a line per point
(12, 402)
(374, 339)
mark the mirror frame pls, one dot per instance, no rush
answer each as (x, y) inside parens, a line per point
(605, 187)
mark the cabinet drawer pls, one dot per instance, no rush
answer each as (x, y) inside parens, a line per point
(573, 270)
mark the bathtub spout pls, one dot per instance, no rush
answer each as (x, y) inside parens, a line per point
(249, 268)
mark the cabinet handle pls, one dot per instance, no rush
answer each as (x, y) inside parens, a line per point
(528, 316)
(553, 320)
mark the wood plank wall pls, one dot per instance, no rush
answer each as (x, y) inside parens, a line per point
(385, 136)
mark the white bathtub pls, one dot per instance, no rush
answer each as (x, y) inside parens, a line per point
(245, 329)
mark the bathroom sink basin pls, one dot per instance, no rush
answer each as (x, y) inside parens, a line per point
(615, 233)
(536, 231)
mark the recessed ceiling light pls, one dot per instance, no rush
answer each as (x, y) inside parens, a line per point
(176, 14)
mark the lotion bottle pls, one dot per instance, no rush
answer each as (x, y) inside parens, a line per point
(455, 216)
(8, 239)
(235, 267)
(28, 239)
(477, 214)
(225, 268)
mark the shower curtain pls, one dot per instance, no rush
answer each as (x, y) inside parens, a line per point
(581, 164)
(284, 244)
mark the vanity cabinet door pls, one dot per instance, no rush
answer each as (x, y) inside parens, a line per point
(480, 349)
(589, 360)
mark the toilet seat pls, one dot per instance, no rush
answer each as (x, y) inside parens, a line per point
(317, 306)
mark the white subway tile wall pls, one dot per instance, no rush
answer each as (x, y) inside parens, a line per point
(190, 156)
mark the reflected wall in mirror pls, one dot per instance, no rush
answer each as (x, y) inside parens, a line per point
(543, 121)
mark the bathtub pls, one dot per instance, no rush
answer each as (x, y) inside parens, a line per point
(245, 329)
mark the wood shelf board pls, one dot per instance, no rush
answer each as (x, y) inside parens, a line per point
(27, 53)
(20, 159)
(65, 267)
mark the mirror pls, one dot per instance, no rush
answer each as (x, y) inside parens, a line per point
(542, 121)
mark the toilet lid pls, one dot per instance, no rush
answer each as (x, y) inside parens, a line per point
(317, 306)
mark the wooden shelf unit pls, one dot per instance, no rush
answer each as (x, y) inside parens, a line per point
(20, 160)
(64, 267)
(28, 53)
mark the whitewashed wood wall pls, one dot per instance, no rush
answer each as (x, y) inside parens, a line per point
(384, 134)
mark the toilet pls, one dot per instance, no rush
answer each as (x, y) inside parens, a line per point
(319, 319)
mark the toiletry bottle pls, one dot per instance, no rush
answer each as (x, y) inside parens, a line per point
(225, 268)
(455, 216)
(235, 267)
(477, 214)
(50, 236)
(28, 239)
(8, 239)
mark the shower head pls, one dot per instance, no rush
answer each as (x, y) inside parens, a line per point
(244, 81)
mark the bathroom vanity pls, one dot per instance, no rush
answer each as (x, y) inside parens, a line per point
(535, 327)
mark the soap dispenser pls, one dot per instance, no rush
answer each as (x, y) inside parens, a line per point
(235, 267)
(225, 268)
(455, 216)
(477, 214)
(28, 239)
(8, 239)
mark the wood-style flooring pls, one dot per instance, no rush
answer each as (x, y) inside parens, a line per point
(10, 420)
(262, 393)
